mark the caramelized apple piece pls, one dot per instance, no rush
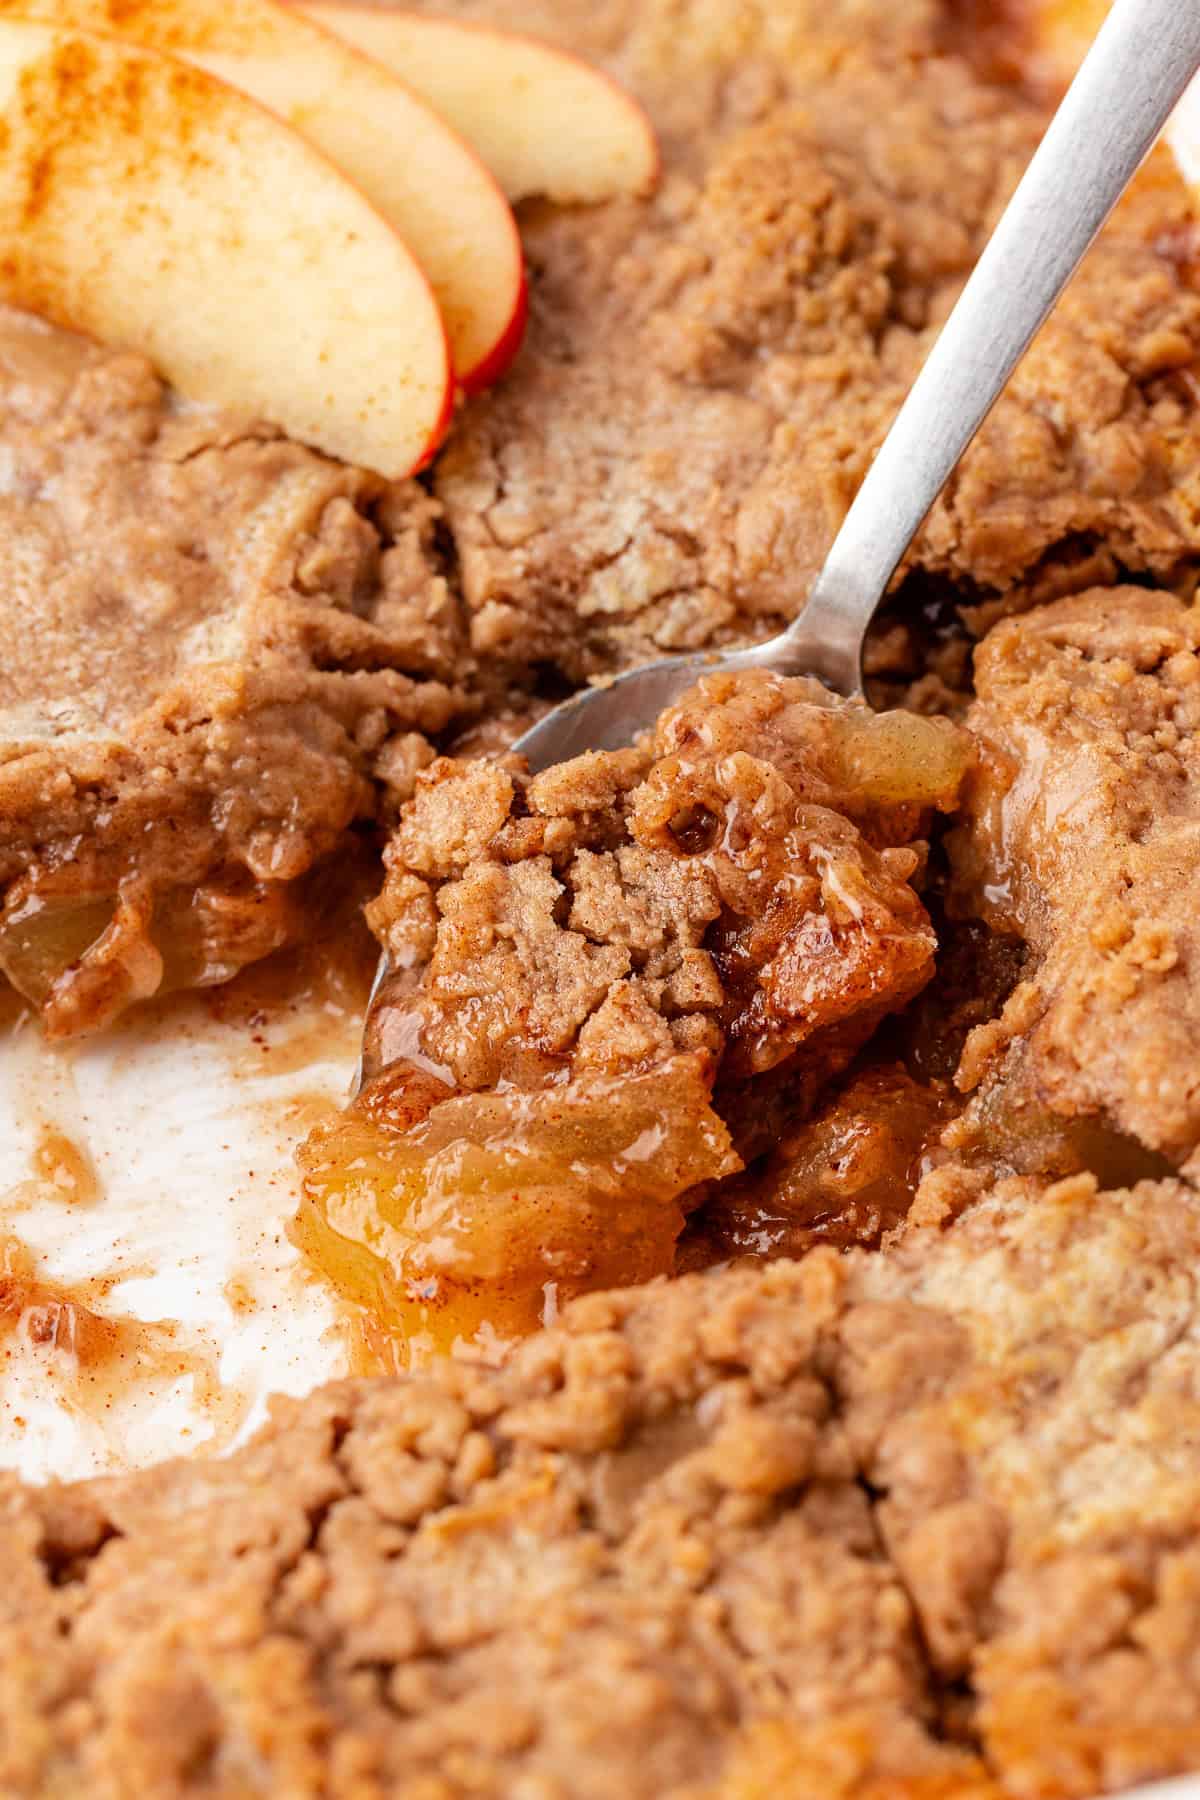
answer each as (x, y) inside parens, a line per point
(41, 938)
(82, 958)
(896, 758)
(495, 1208)
(842, 1178)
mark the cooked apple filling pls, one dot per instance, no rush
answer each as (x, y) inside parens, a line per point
(490, 1209)
(596, 970)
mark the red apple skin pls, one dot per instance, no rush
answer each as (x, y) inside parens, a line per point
(441, 428)
(493, 363)
(499, 354)
(502, 357)
(507, 339)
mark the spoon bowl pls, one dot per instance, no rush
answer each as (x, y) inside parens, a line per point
(613, 713)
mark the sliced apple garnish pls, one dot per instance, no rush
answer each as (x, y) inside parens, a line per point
(151, 206)
(543, 121)
(417, 171)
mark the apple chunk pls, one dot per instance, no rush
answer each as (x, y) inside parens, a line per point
(418, 172)
(146, 203)
(543, 121)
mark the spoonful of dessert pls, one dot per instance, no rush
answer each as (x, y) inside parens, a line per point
(1142, 59)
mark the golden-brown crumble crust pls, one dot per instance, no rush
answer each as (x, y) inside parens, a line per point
(707, 377)
(742, 1522)
(366, 1613)
(740, 882)
(228, 647)
(1079, 836)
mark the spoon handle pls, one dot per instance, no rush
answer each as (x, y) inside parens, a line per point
(1143, 58)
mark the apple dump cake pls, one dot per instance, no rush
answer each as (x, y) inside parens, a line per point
(772, 1213)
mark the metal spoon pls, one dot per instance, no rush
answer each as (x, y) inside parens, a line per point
(1143, 57)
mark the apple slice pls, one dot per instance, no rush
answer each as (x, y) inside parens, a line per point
(146, 203)
(419, 173)
(543, 121)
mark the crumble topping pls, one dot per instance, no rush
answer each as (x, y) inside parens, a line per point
(752, 1525)
(707, 378)
(1079, 836)
(229, 648)
(739, 883)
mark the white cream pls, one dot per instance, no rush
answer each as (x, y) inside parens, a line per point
(193, 1147)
